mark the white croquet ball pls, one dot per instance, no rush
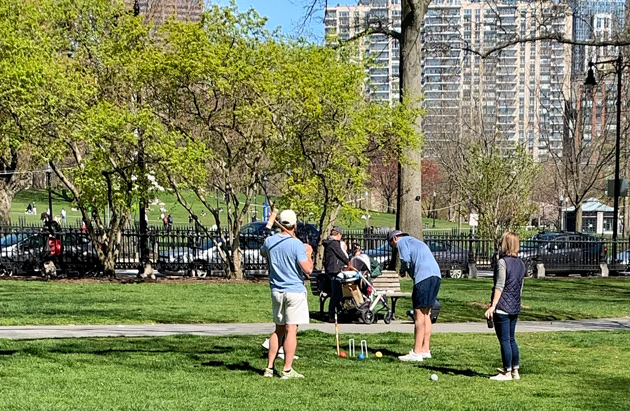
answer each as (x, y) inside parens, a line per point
(434, 377)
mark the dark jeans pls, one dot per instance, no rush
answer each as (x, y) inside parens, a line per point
(335, 296)
(505, 326)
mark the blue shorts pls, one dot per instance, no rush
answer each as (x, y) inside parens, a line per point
(425, 292)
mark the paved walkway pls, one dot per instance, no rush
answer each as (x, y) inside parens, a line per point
(157, 330)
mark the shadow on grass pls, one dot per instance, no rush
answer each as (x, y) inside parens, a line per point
(240, 366)
(7, 352)
(455, 371)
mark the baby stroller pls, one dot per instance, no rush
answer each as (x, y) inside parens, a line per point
(359, 297)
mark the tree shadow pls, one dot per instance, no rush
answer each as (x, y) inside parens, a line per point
(7, 352)
(240, 366)
(455, 371)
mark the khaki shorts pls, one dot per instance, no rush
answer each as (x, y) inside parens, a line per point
(289, 308)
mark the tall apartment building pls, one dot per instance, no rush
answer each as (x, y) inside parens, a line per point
(349, 21)
(517, 95)
(161, 10)
(595, 19)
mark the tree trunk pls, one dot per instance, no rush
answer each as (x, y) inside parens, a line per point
(578, 218)
(410, 181)
(6, 197)
(326, 228)
(109, 266)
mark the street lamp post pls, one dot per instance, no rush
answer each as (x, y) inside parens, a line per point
(560, 202)
(434, 210)
(50, 209)
(590, 81)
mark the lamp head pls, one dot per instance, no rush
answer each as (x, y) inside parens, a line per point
(590, 77)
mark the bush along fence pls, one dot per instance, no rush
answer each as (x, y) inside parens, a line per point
(30, 249)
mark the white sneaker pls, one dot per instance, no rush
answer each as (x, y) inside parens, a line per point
(502, 377)
(426, 354)
(516, 375)
(265, 345)
(412, 356)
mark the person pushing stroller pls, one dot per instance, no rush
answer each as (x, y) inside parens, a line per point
(335, 259)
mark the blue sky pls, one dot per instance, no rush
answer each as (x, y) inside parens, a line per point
(286, 13)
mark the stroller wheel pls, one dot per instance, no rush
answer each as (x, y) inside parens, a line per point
(388, 317)
(368, 317)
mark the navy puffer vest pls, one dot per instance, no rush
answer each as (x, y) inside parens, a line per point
(510, 300)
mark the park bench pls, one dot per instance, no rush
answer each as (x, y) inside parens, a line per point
(388, 282)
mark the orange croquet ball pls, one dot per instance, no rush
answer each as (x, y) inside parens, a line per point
(342, 354)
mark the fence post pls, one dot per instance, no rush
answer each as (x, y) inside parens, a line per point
(472, 265)
(603, 266)
(540, 266)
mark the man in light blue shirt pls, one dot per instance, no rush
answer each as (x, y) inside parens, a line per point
(288, 258)
(417, 260)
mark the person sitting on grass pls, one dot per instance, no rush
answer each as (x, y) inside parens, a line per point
(287, 258)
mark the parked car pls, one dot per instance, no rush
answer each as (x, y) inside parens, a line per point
(251, 239)
(450, 257)
(29, 251)
(252, 235)
(563, 253)
(206, 251)
(623, 259)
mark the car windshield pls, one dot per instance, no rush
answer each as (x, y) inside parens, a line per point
(11, 239)
(206, 244)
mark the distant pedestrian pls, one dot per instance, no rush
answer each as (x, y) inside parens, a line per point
(505, 305)
(29, 208)
(164, 221)
(34, 208)
(63, 215)
(169, 221)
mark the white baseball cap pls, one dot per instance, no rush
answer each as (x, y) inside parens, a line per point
(288, 218)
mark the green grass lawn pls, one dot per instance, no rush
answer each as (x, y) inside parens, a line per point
(81, 302)
(180, 215)
(560, 371)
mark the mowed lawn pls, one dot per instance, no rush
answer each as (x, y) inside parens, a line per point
(102, 302)
(560, 371)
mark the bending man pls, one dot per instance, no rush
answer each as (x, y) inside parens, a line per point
(417, 260)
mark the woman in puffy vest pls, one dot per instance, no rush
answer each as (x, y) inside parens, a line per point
(506, 304)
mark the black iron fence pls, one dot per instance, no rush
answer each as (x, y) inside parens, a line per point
(25, 249)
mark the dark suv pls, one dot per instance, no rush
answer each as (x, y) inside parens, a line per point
(563, 253)
(252, 235)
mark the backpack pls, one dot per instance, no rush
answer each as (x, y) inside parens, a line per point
(375, 268)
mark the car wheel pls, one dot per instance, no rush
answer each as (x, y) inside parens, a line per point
(530, 267)
(455, 273)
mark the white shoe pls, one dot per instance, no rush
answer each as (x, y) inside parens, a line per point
(502, 377)
(280, 351)
(426, 355)
(516, 375)
(412, 356)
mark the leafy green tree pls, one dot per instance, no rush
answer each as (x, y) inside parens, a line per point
(211, 86)
(24, 58)
(328, 128)
(89, 121)
(498, 184)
